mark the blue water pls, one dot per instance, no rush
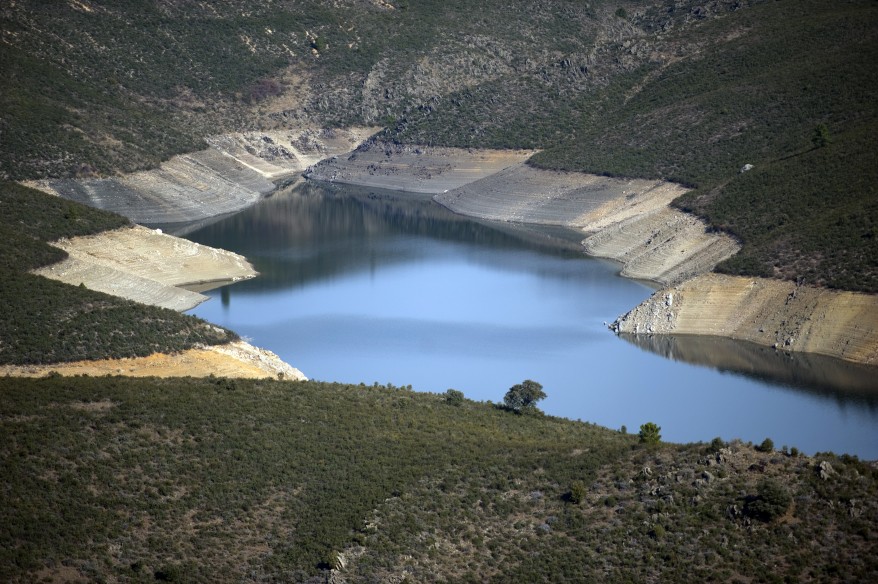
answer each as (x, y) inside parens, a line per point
(364, 287)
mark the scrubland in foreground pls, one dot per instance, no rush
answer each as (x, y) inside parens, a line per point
(205, 480)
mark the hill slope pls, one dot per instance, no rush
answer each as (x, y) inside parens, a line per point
(207, 480)
(684, 90)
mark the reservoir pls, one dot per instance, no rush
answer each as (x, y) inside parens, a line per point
(364, 286)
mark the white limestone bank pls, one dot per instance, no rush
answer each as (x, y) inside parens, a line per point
(146, 266)
(232, 174)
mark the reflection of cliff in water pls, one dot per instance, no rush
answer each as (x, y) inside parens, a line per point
(315, 231)
(824, 376)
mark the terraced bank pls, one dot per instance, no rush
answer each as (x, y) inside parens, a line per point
(147, 266)
(774, 313)
(232, 174)
(631, 221)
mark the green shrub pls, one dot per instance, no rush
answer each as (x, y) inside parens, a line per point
(650, 433)
(767, 445)
(771, 501)
(577, 492)
(454, 397)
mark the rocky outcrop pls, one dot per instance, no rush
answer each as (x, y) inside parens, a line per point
(146, 266)
(775, 313)
(232, 174)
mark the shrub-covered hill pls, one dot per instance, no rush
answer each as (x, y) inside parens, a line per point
(215, 480)
(689, 90)
(45, 321)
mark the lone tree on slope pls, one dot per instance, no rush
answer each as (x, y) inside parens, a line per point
(522, 397)
(650, 433)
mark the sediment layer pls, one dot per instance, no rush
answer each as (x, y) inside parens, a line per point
(416, 169)
(665, 245)
(629, 219)
(146, 266)
(769, 312)
(231, 175)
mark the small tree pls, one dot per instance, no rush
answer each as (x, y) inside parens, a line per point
(577, 492)
(821, 136)
(454, 397)
(522, 397)
(650, 433)
(766, 446)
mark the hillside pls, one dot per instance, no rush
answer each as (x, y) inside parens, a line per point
(47, 321)
(684, 90)
(184, 480)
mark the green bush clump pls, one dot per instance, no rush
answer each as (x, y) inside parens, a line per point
(772, 501)
(650, 433)
(767, 445)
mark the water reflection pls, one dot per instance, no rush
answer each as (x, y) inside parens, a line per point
(315, 231)
(827, 377)
(362, 286)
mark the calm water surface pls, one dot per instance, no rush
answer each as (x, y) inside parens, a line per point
(359, 286)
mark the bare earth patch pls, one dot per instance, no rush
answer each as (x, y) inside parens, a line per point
(237, 359)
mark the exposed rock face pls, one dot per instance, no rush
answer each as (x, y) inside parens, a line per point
(769, 312)
(235, 172)
(146, 266)
(629, 219)
(525, 194)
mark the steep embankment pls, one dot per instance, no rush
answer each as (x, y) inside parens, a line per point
(146, 266)
(629, 220)
(235, 172)
(769, 312)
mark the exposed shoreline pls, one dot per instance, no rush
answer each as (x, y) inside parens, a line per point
(627, 220)
(631, 221)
